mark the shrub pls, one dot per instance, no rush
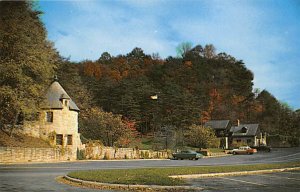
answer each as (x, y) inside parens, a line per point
(201, 137)
(80, 154)
(145, 155)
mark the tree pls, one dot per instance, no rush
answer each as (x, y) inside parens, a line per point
(27, 61)
(105, 58)
(68, 76)
(209, 51)
(269, 117)
(201, 137)
(107, 127)
(183, 48)
(197, 50)
(130, 137)
(136, 53)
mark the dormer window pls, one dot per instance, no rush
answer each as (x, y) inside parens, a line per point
(244, 130)
(66, 103)
(64, 99)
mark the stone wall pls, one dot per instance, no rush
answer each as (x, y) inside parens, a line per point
(96, 151)
(23, 155)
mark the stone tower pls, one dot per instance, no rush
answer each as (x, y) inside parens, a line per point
(59, 119)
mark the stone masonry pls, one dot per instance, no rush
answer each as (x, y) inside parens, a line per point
(23, 155)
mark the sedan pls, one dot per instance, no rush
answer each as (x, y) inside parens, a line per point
(244, 150)
(192, 155)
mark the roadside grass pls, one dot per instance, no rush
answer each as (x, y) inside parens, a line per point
(215, 150)
(160, 176)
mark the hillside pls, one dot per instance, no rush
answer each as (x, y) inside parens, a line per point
(192, 89)
(21, 141)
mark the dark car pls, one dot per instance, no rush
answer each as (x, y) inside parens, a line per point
(262, 148)
(188, 154)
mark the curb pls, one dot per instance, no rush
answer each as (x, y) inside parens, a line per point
(233, 173)
(215, 156)
(72, 161)
(132, 187)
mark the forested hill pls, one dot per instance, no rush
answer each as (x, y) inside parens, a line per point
(148, 92)
(199, 86)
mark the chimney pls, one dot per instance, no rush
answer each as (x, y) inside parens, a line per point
(238, 122)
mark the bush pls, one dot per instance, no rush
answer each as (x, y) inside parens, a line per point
(145, 155)
(294, 141)
(80, 154)
(201, 137)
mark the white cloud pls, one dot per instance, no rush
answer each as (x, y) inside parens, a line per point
(98, 27)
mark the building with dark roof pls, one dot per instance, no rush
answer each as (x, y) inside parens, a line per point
(58, 121)
(249, 134)
(221, 127)
(246, 134)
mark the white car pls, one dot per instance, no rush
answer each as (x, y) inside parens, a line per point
(244, 150)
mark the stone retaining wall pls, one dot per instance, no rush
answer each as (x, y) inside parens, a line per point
(101, 152)
(22, 155)
(96, 151)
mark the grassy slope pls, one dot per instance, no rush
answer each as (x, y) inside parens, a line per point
(21, 141)
(159, 176)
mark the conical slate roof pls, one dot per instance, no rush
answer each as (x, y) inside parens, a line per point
(54, 97)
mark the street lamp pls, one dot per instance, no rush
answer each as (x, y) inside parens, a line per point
(157, 126)
(155, 97)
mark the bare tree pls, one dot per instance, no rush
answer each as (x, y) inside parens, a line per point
(183, 48)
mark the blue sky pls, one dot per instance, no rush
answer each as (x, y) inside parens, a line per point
(262, 33)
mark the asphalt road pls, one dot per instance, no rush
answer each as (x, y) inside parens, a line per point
(274, 182)
(41, 176)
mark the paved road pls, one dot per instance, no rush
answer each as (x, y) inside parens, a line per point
(40, 177)
(275, 182)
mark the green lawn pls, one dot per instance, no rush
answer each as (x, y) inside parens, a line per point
(159, 176)
(216, 150)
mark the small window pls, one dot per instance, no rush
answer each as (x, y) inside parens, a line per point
(59, 139)
(244, 130)
(20, 119)
(238, 140)
(66, 103)
(69, 140)
(49, 116)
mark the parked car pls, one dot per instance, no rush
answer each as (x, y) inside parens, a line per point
(188, 154)
(262, 148)
(244, 150)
